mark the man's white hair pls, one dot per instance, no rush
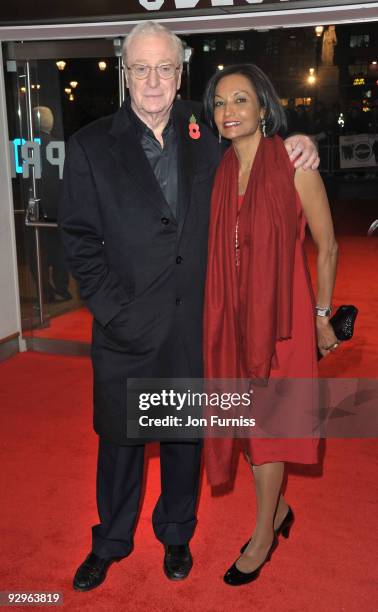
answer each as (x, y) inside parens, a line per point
(148, 28)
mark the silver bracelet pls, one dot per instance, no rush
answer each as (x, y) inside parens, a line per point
(323, 311)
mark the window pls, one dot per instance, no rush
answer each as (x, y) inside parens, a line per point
(235, 44)
(357, 69)
(359, 40)
(209, 44)
(303, 101)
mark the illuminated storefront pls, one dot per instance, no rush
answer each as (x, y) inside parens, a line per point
(43, 71)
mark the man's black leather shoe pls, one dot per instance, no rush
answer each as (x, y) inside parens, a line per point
(178, 561)
(92, 572)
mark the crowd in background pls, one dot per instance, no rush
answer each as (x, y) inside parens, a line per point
(331, 119)
(326, 123)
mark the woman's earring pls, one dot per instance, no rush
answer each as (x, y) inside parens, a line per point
(219, 138)
(263, 126)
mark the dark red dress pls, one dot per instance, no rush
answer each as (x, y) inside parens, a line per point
(295, 357)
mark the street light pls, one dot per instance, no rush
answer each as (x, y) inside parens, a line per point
(61, 64)
(319, 30)
(311, 79)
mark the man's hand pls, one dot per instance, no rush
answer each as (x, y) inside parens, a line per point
(302, 151)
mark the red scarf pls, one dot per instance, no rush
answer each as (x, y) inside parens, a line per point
(247, 311)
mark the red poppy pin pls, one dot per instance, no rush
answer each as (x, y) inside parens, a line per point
(194, 130)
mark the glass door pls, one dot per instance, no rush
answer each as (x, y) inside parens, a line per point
(53, 89)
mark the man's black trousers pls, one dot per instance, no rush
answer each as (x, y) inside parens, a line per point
(119, 486)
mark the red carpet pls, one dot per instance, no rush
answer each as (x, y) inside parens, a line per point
(48, 458)
(357, 283)
(75, 325)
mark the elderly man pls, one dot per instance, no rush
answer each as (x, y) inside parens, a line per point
(134, 220)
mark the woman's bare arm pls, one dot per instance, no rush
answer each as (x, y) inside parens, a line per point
(316, 208)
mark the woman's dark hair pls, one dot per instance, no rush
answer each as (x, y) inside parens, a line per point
(275, 116)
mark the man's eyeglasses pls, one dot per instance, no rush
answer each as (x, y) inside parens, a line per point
(141, 71)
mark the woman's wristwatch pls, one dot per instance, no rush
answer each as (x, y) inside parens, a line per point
(323, 311)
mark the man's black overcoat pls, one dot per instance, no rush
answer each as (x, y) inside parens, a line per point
(140, 271)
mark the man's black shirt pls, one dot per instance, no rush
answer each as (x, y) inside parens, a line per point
(163, 161)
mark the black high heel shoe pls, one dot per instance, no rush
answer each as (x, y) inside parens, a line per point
(235, 577)
(286, 524)
(283, 529)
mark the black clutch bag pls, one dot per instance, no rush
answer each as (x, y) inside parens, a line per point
(343, 323)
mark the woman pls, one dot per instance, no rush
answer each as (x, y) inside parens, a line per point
(259, 318)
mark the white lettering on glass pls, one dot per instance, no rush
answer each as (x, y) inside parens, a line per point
(31, 156)
(55, 152)
(151, 5)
